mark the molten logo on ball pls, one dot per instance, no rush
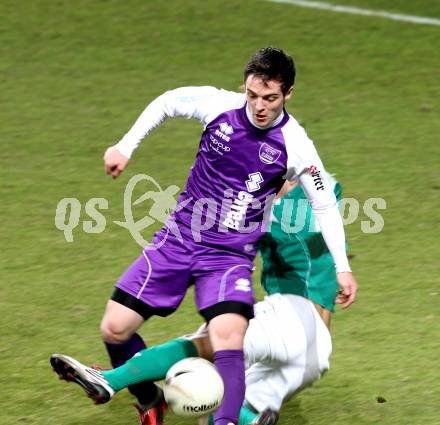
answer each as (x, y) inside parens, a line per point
(203, 408)
(193, 387)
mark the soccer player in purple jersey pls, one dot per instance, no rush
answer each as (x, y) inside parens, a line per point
(248, 147)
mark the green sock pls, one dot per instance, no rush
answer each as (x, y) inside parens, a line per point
(150, 364)
(247, 416)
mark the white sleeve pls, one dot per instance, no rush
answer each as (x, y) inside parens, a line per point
(189, 102)
(305, 165)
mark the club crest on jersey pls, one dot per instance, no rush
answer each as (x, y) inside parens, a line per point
(224, 132)
(317, 178)
(268, 154)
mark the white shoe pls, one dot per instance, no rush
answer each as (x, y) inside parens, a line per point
(91, 380)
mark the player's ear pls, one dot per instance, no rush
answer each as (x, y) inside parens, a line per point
(289, 93)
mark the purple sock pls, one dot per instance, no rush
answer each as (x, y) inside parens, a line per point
(145, 392)
(230, 364)
(120, 353)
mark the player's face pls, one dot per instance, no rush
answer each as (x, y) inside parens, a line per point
(265, 100)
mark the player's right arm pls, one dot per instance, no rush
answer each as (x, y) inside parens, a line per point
(202, 103)
(114, 162)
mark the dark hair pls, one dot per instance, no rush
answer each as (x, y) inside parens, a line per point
(269, 64)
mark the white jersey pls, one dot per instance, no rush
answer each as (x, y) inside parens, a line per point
(287, 347)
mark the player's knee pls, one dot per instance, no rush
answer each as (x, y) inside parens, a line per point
(227, 331)
(113, 332)
(229, 334)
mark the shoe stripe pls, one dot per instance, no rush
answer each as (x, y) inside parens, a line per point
(95, 373)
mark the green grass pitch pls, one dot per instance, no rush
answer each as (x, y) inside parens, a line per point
(76, 74)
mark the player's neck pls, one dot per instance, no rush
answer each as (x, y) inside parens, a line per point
(273, 124)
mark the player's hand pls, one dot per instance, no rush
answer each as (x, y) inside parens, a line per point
(286, 188)
(114, 162)
(347, 293)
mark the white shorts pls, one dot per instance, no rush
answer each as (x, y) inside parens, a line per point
(287, 347)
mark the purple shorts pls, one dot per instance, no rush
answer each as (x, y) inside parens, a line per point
(161, 277)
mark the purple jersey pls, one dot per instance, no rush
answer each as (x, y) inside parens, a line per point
(238, 169)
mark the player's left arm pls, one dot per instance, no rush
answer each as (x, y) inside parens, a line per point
(311, 175)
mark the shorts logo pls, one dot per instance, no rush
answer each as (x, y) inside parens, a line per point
(242, 285)
(317, 178)
(254, 181)
(268, 154)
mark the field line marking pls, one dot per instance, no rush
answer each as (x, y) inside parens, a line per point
(360, 11)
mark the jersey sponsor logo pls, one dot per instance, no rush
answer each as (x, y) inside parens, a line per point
(268, 154)
(317, 178)
(243, 285)
(254, 181)
(237, 213)
(224, 132)
(218, 146)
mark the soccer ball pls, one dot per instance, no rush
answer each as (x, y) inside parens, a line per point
(193, 387)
